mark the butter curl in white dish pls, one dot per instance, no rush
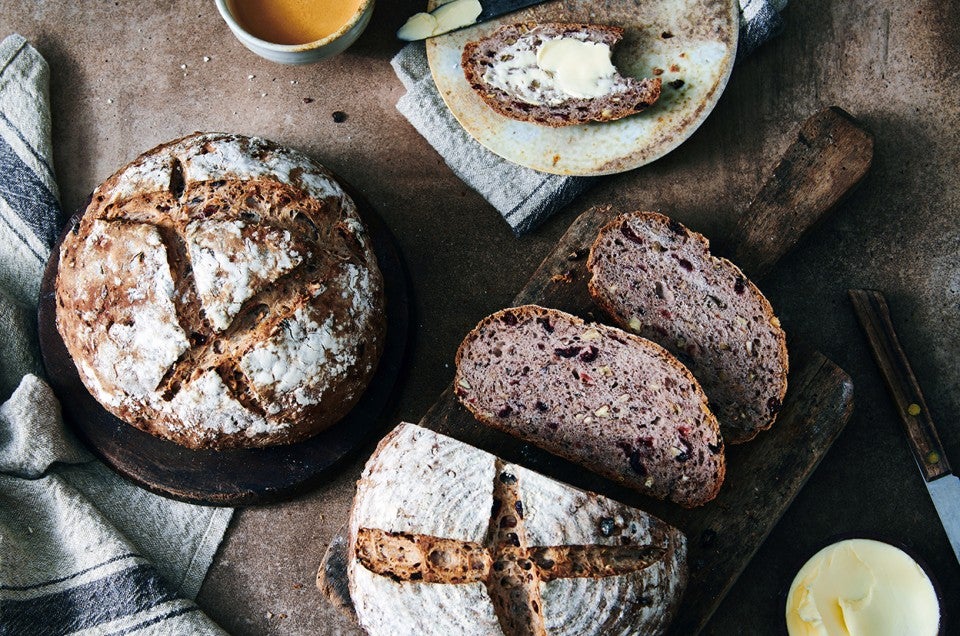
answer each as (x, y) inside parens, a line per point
(862, 587)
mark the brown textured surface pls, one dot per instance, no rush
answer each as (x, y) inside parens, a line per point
(637, 95)
(614, 403)
(897, 232)
(658, 279)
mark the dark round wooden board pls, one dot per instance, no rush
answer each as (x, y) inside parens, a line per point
(239, 476)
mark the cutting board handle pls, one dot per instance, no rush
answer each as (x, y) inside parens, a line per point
(831, 155)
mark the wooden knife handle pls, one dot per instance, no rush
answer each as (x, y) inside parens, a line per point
(831, 155)
(874, 316)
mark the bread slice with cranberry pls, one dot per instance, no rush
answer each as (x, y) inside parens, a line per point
(507, 71)
(659, 280)
(614, 403)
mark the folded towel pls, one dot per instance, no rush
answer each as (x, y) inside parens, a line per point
(524, 197)
(80, 548)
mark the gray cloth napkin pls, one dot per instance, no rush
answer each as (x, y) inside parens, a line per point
(524, 197)
(80, 548)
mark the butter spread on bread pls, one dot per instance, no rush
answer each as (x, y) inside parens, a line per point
(555, 74)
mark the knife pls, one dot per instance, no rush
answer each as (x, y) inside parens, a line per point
(942, 484)
(458, 14)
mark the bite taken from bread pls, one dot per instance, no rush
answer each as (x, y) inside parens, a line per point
(608, 400)
(658, 279)
(555, 74)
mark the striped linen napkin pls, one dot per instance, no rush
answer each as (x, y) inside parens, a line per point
(524, 197)
(81, 550)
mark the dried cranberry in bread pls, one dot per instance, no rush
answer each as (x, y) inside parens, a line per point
(220, 291)
(658, 279)
(503, 69)
(447, 539)
(614, 403)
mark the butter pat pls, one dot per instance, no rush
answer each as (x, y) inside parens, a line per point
(418, 27)
(580, 69)
(861, 587)
(446, 17)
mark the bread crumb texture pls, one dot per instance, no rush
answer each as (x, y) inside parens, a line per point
(659, 279)
(220, 291)
(619, 405)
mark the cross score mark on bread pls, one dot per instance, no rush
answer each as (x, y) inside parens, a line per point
(448, 539)
(219, 291)
(511, 569)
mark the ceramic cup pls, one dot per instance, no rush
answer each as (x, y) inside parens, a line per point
(301, 53)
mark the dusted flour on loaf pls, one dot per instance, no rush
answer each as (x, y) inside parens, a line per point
(614, 403)
(447, 539)
(658, 279)
(220, 291)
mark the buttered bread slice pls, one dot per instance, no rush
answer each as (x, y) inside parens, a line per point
(555, 74)
(447, 539)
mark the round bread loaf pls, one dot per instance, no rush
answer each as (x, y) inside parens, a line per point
(445, 538)
(220, 291)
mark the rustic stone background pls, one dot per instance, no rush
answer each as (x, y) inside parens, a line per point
(129, 75)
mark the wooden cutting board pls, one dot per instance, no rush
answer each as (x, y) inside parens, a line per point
(830, 156)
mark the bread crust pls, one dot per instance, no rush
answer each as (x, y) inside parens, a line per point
(733, 434)
(220, 291)
(635, 96)
(421, 490)
(659, 458)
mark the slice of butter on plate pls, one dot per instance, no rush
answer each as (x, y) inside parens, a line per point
(446, 17)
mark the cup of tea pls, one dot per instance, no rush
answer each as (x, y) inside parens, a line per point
(296, 31)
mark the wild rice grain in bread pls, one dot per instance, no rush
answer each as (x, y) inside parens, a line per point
(614, 403)
(506, 72)
(658, 279)
(447, 539)
(220, 291)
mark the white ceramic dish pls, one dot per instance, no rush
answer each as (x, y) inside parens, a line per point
(301, 53)
(694, 41)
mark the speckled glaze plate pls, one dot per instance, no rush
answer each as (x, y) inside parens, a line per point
(691, 43)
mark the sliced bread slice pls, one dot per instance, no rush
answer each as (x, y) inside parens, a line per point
(658, 279)
(614, 403)
(511, 72)
(445, 538)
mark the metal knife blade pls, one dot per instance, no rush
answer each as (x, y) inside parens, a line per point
(945, 493)
(489, 9)
(943, 486)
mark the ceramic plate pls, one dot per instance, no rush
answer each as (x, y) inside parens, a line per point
(690, 44)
